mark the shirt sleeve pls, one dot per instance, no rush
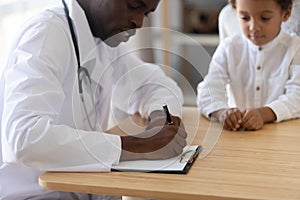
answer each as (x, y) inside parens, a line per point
(212, 94)
(286, 106)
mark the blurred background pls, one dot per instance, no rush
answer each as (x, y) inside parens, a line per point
(13, 13)
(185, 37)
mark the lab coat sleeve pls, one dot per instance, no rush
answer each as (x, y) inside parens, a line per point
(287, 105)
(143, 87)
(211, 92)
(33, 97)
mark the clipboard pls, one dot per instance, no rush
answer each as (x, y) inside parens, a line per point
(180, 164)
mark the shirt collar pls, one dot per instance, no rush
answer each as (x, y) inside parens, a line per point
(269, 45)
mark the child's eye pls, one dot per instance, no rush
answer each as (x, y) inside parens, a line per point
(245, 18)
(265, 18)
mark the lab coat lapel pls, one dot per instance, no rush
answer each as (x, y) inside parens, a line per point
(102, 76)
(85, 38)
(96, 59)
(89, 52)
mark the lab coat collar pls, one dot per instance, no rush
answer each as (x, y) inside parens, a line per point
(88, 46)
(82, 30)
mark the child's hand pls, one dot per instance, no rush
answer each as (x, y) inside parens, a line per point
(252, 119)
(231, 118)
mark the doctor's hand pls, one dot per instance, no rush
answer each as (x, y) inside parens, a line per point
(158, 118)
(161, 142)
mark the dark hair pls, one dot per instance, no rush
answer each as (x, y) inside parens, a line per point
(284, 4)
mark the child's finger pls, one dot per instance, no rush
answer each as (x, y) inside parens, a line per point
(236, 118)
(239, 116)
(228, 125)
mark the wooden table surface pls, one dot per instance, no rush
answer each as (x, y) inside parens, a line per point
(264, 164)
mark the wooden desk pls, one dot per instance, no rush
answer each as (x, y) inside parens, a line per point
(263, 164)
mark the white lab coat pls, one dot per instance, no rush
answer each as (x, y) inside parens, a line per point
(43, 126)
(268, 77)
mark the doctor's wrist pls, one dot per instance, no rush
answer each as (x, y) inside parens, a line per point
(157, 114)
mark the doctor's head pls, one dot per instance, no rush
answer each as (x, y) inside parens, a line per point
(260, 20)
(115, 21)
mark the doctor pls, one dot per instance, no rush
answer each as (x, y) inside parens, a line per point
(65, 76)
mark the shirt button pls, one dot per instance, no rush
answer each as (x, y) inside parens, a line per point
(260, 48)
(258, 68)
(257, 88)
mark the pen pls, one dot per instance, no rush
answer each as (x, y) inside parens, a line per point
(169, 119)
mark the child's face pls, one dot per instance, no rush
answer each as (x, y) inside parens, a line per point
(260, 20)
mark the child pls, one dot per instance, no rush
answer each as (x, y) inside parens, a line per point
(254, 77)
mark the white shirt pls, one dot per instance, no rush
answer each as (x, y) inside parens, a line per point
(43, 125)
(268, 77)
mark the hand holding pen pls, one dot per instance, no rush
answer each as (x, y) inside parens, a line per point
(163, 117)
(164, 137)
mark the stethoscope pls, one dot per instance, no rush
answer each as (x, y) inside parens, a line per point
(84, 79)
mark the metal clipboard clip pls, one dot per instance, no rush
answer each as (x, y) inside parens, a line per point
(189, 156)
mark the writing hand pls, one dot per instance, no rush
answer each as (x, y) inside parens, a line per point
(158, 118)
(156, 143)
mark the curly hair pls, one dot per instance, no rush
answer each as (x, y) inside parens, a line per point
(284, 4)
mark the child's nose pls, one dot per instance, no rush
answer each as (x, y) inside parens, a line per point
(254, 26)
